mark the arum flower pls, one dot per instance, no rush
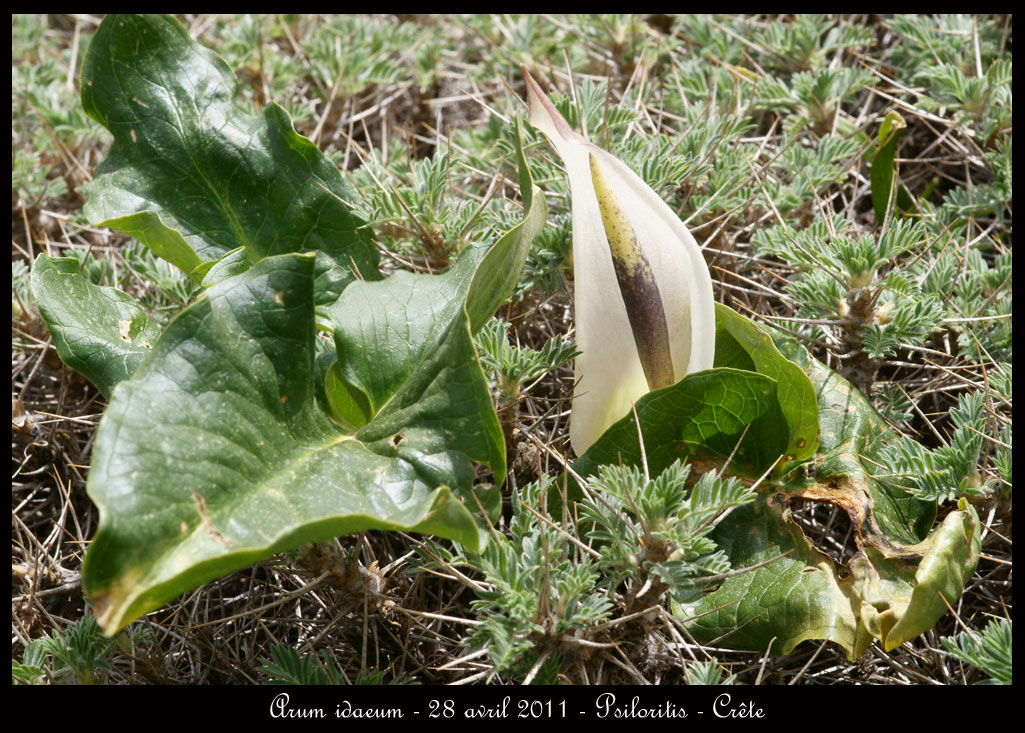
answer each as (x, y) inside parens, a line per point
(644, 312)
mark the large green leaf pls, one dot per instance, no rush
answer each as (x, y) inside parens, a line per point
(191, 174)
(851, 433)
(99, 332)
(702, 417)
(756, 405)
(405, 344)
(892, 589)
(742, 344)
(894, 586)
(222, 448)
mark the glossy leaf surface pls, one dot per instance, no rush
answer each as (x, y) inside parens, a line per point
(100, 332)
(191, 173)
(894, 585)
(222, 449)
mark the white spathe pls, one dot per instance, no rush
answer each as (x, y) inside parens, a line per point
(608, 371)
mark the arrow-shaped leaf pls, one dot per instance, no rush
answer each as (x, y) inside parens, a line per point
(221, 449)
(191, 174)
